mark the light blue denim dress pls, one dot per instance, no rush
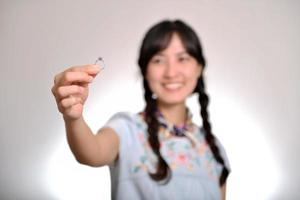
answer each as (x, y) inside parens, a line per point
(195, 173)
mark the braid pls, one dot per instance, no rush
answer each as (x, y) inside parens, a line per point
(210, 138)
(153, 125)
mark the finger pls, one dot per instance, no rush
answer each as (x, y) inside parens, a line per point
(53, 90)
(75, 111)
(75, 77)
(57, 78)
(67, 103)
(92, 70)
(65, 91)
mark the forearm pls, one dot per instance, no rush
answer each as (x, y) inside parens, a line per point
(82, 141)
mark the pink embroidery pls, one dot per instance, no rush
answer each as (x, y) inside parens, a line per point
(177, 154)
(182, 159)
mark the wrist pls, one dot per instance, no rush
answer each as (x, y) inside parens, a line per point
(71, 120)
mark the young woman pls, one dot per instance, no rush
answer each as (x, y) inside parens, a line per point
(158, 153)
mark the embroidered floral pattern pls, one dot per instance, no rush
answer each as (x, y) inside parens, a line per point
(178, 152)
(142, 165)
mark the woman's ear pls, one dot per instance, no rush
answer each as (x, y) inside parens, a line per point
(200, 70)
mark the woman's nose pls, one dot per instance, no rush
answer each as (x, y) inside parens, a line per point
(171, 69)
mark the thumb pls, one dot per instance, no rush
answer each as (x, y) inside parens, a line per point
(94, 70)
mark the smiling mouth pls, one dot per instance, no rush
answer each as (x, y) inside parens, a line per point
(172, 86)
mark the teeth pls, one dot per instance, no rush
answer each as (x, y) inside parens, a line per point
(173, 86)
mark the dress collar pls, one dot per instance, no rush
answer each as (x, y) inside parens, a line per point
(176, 130)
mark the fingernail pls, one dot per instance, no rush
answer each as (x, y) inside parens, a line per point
(96, 67)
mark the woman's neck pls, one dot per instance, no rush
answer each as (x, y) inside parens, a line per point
(175, 114)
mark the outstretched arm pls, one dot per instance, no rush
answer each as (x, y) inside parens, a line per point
(89, 149)
(71, 91)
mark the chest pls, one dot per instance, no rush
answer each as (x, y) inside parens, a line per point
(182, 155)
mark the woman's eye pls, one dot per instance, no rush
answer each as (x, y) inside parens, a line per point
(183, 59)
(157, 60)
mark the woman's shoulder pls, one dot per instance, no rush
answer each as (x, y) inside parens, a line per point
(122, 115)
(130, 129)
(128, 118)
(125, 115)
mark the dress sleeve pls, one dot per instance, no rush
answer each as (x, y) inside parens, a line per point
(121, 123)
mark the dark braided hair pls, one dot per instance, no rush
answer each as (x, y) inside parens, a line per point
(210, 138)
(157, 39)
(153, 126)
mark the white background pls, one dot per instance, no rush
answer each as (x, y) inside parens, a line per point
(252, 50)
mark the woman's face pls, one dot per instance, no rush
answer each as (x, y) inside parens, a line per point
(172, 74)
